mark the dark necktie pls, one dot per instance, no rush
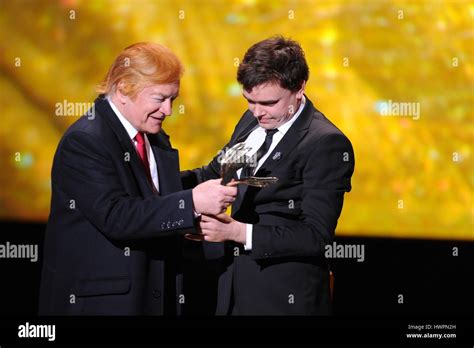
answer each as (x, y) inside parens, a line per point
(141, 149)
(261, 151)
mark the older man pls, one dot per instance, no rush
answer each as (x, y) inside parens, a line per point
(118, 211)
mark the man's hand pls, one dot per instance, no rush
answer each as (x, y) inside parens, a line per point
(220, 228)
(212, 198)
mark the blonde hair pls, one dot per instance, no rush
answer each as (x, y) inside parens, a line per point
(141, 65)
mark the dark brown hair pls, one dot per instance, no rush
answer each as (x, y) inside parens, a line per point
(275, 59)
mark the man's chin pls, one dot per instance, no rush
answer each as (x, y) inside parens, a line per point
(153, 129)
(266, 125)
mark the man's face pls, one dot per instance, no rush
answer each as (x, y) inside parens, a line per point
(273, 105)
(150, 107)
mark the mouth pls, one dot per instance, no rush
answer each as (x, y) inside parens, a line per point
(158, 118)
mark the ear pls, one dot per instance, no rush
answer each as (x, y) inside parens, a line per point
(122, 98)
(299, 94)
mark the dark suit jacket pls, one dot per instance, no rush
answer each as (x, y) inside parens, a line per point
(285, 272)
(111, 244)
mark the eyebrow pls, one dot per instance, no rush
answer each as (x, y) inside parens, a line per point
(164, 95)
(273, 101)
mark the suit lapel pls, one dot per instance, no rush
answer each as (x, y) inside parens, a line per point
(129, 154)
(167, 163)
(247, 128)
(288, 143)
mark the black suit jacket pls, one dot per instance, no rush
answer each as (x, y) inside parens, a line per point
(112, 245)
(285, 272)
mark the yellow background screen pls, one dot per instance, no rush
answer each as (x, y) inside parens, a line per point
(414, 175)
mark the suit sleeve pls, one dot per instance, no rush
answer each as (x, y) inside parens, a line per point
(326, 176)
(84, 172)
(192, 178)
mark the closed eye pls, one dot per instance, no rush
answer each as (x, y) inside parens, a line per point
(269, 103)
(161, 100)
(264, 103)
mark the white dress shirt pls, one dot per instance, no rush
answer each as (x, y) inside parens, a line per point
(132, 132)
(254, 141)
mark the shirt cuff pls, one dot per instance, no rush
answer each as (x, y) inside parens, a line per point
(248, 244)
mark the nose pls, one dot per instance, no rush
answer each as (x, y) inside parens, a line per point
(166, 107)
(258, 110)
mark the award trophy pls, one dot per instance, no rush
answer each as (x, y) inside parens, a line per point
(235, 158)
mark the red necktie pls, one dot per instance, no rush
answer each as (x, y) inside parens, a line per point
(141, 149)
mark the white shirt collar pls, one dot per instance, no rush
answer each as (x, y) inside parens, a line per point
(132, 132)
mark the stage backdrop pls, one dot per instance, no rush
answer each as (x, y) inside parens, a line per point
(395, 76)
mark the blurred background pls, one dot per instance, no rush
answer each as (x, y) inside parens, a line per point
(414, 176)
